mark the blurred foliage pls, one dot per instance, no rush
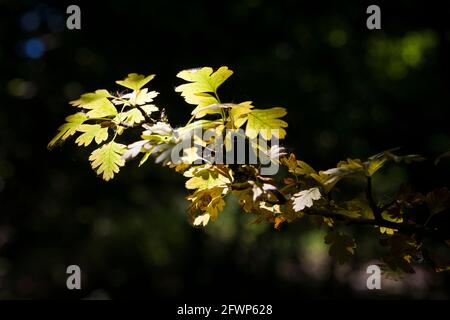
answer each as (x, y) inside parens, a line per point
(349, 92)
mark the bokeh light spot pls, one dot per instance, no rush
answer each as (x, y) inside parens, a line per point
(34, 48)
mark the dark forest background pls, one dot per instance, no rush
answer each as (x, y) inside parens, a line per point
(349, 92)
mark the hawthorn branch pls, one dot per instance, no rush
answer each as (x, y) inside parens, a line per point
(403, 227)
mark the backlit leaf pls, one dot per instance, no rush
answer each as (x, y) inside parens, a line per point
(305, 198)
(267, 123)
(206, 178)
(91, 132)
(107, 159)
(92, 100)
(66, 130)
(135, 81)
(202, 80)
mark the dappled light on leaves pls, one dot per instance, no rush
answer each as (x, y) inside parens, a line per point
(304, 193)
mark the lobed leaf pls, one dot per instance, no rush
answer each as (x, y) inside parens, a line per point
(107, 159)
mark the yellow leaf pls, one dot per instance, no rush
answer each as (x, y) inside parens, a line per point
(135, 81)
(201, 111)
(389, 231)
(107, 159)
(374, 165)
(209, 201)
(91, 132)
(266, 123)
(98, 104)
(92, 100)
(297, 167)
(201, 99)
(238, 113)
(205, 178)
(201, 81)
(66, 130)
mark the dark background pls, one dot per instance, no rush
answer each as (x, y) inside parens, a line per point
(349, 92)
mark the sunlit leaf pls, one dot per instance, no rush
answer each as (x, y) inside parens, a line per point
(107, 159)
(202, 220)
(149, 108)
(206, 178)
(91, 132)
(69, 128)
(98, 104)
(267, 123)
(202, 80)
(238, 113)
(305, 198)
(132, 116)
(297, 167)
(92, 100)
(200, 99)
(135, 81)
(208, 201)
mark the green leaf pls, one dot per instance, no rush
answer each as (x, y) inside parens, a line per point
(266, 123)
(92, 100)
(201, 100)
(144, 158)
(306, 198)
(107, 159)
(135, 81)
(201, 81)
(342, 246)
(98, 104)
(104, 110)
(238, 113)
(66, 130)
(201, 111)
(91, 132)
